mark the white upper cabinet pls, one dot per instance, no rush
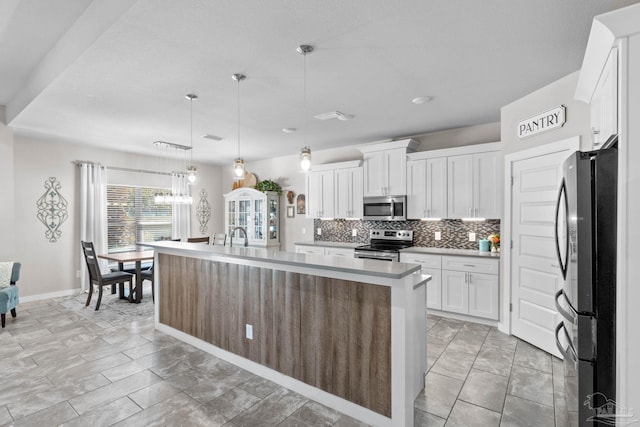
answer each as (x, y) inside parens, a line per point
(455, 183)
(487, 191)
(604, 103)
(335, 190)
(460, 186)
(385, 168)
(348, 192)
(474, 189)
(320, 194)
(427, 188)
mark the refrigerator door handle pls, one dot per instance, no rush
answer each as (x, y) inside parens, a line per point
(569, 353)
(569, 316)
(563, 265)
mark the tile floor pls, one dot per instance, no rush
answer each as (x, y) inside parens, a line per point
(478, 376)
(64, 364)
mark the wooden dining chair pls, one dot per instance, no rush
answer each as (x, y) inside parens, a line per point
(219, 239)
(99, 279)
(198, 240)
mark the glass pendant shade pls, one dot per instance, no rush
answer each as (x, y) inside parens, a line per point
(238, 169)
(192, 174)
(305, 159)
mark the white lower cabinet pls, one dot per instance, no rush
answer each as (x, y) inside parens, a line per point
(483, 295)
(431, 265)
(455, 295)
(460, 284)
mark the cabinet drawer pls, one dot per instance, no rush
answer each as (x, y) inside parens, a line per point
(343, 252)
(470, 264)
(315, 250)
(425, 260)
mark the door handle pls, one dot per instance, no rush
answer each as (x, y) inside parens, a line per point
(569, 353)
(561, 309)
(563, 266)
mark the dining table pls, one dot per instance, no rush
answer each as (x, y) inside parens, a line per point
(131, 256)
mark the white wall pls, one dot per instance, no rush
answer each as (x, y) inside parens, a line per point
(7, 241)
(286, 172)
(50, 268)
(560, 92)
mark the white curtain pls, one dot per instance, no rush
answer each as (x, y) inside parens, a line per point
(93, 214)
(181, 221)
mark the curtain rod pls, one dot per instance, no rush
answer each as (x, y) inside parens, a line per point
(81, 162)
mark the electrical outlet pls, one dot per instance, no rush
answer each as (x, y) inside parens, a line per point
(319, 231)
(249, 331)
(472, 237)
(437, 235)
(354, 232)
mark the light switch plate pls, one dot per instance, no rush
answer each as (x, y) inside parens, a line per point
(437, 235)
(354, 232)
(249, 331)
(304, 230)
(472, 237)
(319, 231)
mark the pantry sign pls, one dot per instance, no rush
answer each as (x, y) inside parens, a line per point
(543, 122)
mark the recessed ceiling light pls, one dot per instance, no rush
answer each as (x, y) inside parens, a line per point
(289, 130)
(212, 137)
(422, 99)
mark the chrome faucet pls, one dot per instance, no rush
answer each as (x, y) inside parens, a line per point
(246, 239)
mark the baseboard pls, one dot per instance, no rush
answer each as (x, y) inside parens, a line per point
(463, 317)
(49, 295)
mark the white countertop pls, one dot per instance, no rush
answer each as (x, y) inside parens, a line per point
(330, 244)
(413, 249)
(445, 251)
(393, 270)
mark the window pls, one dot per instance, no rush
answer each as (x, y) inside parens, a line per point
(133, 217)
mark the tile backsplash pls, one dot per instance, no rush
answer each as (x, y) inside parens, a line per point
(454, 232)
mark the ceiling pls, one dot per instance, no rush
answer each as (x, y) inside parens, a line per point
(113, 73)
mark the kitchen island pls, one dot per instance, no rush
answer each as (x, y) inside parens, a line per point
(348, 333)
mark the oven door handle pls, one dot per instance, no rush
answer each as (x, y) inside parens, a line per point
(569, 353)
(376, 257)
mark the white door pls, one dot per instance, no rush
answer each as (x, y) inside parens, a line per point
(348, 193)
(434, 288)
(535, 274)
(436, 177)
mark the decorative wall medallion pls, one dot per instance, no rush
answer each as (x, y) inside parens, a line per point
(203, 211)
(52, 209)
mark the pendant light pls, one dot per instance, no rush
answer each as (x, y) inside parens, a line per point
(191, 169)
(238, 163)
(305, 152)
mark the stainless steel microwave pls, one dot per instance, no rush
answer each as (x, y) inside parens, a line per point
(387, 208)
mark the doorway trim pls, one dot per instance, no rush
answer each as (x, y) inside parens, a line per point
(571, 143)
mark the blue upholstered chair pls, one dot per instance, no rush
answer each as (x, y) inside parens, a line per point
(9, 295)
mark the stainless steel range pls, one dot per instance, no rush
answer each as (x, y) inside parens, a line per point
(385, 244)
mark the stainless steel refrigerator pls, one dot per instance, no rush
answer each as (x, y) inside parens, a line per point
(586, 249)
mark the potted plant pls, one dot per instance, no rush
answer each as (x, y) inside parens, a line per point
(268, 185)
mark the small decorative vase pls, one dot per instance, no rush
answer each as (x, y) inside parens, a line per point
(494, 247)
